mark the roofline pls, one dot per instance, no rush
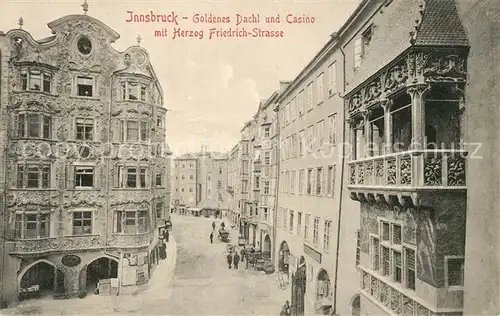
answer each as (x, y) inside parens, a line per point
(327, 48)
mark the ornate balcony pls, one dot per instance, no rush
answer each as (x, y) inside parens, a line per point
(82, 242)
(406, 174)
(130, 241)
(34, 246)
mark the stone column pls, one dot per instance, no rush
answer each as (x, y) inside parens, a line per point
(368, 141)
(417, 92)
(352, 138)
(387, 105)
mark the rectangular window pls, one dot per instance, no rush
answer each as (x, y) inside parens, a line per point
(320, 92)
(326, 240)
(332, 129)
(310, 138)
(410, 268)
(35, 80)
(47, 127)
(358, 52)
(267, 158)
(310, 98)
(21, 123)
(159, 179)
(143, 92)
(130, 222)
(131, 177)
(301, 142)
(132, 90)
(82, 223)
(84, 129)
(159, 209)
(45, 176)
(331, 181)
(397, 273)
(85, 86)
(20, 176)
(386, 261)
(285, 211)
(307, 220)
(266, 187)
(144, 131)
(385, 231)
(291, 221)
(320, 134)
(301, 181)
(309, 181)
(266, 213)
(84, 177)
(455, 271)
(33, 125)
(332, 79)
(47, 82)
(396, 234)
(358, 247)
(376, 254)
(24, 80)
(33, 176)
(31, 226)
(267, 131)
(316, 231)
(300, 102)
(319, 180)
(143, 221)
(299, 223)
(293, 175)
(133, 131)
(142, 177)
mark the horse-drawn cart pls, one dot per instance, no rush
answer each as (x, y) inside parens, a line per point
(223, 235)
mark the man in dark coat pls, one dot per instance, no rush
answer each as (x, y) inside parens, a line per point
(229, 259)
(236, 260)
(213, 226)
(285, 310)
(211, 237)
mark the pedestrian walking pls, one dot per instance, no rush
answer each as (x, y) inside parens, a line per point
(229, 259)
(167, 235)
(285, 310)
(213, 226)
(242, 252)
(236, 260)
(222, 225)
(211, 237)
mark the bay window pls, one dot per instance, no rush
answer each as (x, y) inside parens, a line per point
(32, 225)
(133, 90)
(33, 125)
(33, 175)
(36, 80)
(131, 177)
(132, 222)
(133, 131)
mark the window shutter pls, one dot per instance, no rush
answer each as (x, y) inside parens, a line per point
(70, 177)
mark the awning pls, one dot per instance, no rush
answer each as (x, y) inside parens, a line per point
(194, 209)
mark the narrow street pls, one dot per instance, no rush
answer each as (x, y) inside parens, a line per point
(201, 284)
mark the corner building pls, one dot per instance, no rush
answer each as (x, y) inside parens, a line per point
(406, 69)
(86, 164)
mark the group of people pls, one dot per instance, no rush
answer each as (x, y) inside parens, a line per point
(222, 225)
(233, 260)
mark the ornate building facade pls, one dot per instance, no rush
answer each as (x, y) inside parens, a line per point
(87, 163)
(404, 108)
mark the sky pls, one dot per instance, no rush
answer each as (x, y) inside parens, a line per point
(211, 86)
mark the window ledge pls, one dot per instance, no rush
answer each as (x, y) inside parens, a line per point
(34, 189)
(84, 97)
(34, 139)
(131, 189)
(83, 189)
(32, 239)
(133, 101)
(37, 92)
(82, 235)
(131, 235)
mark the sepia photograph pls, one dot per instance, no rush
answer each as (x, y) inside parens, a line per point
(249, 157)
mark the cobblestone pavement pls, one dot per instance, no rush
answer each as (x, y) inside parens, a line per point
(201, 284)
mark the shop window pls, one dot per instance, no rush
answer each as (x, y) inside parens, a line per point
(82, 223)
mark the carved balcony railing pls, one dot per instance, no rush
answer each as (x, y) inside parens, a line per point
(410, 170)
(130, 241)
(82, 242)
(27, 246)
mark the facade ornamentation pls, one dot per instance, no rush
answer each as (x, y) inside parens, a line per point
(82, 242)
(391, 172)
(456, 171)
(433, 172)
(35, 245)
(406, 170)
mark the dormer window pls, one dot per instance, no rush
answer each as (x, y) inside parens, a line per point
(85, 86)
(132, 90)
(36, 80)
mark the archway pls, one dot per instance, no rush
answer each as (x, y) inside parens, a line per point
(266, 246)
(356, 305)
(284, 258)
(40, 278)
(324, 297)
(99, 269)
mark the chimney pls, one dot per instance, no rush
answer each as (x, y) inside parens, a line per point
(284, 85)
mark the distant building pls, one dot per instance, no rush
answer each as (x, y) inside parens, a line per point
(185, 181)
(86, 163)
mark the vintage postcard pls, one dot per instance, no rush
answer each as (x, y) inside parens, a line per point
(249, 157)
